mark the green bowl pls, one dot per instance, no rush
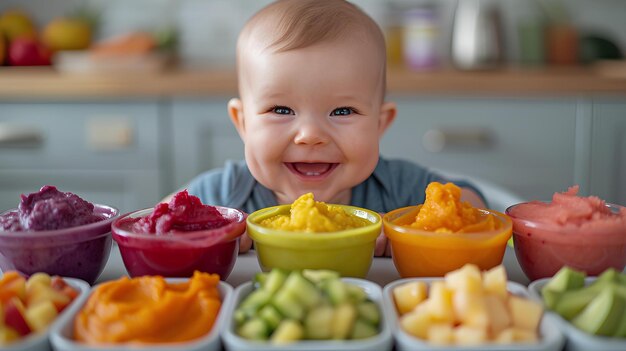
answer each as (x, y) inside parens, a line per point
(349, 252)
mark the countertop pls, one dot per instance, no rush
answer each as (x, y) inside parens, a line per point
(381, 272)
(37, 83)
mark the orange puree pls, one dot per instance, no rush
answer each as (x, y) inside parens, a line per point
(443, 212)
(149, 310)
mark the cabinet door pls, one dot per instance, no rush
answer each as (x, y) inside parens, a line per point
(104, 152)
(203, 138)
(608, 151)
(525, 145)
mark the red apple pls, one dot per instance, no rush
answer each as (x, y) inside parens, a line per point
(14, 316)
(26, 51)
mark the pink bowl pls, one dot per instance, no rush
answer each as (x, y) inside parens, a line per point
(179, 255)
(77, 252)
(543, 249)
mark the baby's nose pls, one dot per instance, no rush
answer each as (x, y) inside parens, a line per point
(311, 131)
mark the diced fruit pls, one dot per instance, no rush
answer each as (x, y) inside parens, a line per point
(516, 335)
(302, 289)
(318, 324)
(254, 329)
(336, 291)
(275, 279)
(525, 314)
(465, 335)
(498, 314)
(494, 281)
(417, 322)
(363, 330)
(409, 295)
(356, 294)
(467, 278)
(440, 302)
(287, 304)
(470, 309)
(317, 276)
(271, 316)
(38, 278)
(566, 279)
(39, 293)
(441, 334)
(14, 316)
(8, 335)
(39, 316)
(604, 314)
(259, 279)
(12, 285)
(254, 302)
(343, 320)
(287, 332)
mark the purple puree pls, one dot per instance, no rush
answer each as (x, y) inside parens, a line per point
(184, 213)
(49, 209)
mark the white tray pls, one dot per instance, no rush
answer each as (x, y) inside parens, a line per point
(381, 342)
(551, 338)
(62, 334)
(576, 339)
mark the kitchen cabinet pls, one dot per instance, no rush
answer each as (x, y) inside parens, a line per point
(105, 152)
(203, 138)
(526, 145)
(608, 150)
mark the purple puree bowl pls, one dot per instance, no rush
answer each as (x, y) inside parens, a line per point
(76, 252)
(180, 254)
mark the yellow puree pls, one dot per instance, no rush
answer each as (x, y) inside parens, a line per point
(312, 216)
(149, 310)
(443, 212)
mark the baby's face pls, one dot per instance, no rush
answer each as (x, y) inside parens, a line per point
(312, 118)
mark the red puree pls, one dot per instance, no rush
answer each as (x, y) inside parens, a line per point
(184, 213)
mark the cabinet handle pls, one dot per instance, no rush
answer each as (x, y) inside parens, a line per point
(13, 135)
(440, 139)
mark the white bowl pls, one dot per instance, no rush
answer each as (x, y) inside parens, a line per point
(39, 341)
(62, 334)
(551, 337)
(382, 341)
(576, 339)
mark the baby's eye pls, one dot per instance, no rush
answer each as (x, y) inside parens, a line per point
(342, 111)
(282, 110)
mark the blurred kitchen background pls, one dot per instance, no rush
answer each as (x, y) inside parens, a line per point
(124, 101)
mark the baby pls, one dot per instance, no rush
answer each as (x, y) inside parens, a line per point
(311, 112)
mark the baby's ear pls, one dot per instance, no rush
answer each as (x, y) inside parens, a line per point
(235, 111)
(388, 112)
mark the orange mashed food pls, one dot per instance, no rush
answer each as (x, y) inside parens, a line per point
(308, 215)
(149, 310)
(443, 212)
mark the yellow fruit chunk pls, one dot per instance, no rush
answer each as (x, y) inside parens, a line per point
(440, 302)
(8, 335)
(409, 295)
(467, 278)
(526, 314)
(499, 318)
(40, 316)
(417, 322)
(470, 309)
(440, 334)
(494, 281)
(465, 335)
(516, 335)
(67, 34)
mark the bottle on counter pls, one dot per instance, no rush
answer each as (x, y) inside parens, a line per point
(420, 36)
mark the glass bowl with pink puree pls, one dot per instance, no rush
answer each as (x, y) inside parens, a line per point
(584, 233)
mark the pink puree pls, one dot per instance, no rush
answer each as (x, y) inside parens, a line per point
(581, 232)
(184, 213)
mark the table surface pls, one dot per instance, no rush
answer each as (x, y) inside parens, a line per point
(381, 272)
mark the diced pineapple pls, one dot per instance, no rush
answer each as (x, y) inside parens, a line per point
(466, 335)
(440, 302)
(469, 309)
(288, 331)
(409, 295)
(466, 278)
(8, 335)
(417, 322)
(516, 335)
(440, 334)
(525, 314)
(494, 281)
(499, 318)
(343, 320)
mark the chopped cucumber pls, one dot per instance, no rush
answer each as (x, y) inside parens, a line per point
(239, 316)
(336, 290)
(318, 324)
(275, 279)
(287, 304)
(317, 276)
(356, 293)
(343, 320)
(368, 311)
(254, 329)
(259, 279)
(304, 291)
(271, 316)
(287, 332)
(363, 330)
(255, 301)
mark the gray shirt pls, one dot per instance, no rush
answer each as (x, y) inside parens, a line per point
(393, 184)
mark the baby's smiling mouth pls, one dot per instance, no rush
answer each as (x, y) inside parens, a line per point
(311, 169)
